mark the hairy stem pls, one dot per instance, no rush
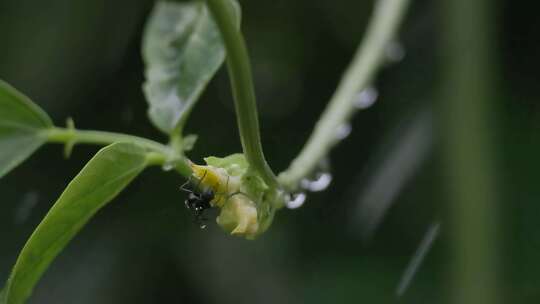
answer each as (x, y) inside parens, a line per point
(160, 153)
(381, 30)
(242, 86)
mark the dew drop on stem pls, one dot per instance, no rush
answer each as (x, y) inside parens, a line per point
(168, 166)
(343, 131)
(366, 98)
(296, 200)
(320, 182)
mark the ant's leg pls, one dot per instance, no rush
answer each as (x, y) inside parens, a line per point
(183, 187)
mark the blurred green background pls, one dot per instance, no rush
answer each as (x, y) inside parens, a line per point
(349, 244)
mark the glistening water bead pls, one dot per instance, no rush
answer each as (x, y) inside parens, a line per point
(366, 98)
(296, 200)
(168, 166)
(343, 131)
(321, 181)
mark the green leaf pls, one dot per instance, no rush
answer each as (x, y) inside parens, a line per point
(235, 164)
(105, 175)
(21, 126)
(182, 50)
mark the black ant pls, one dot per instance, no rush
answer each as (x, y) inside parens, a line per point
(199, 202)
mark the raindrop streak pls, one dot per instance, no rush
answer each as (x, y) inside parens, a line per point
(401, 159)
(394, 51)
(320, 183)
(366, 98)
(28, 202)
(296, 201)
(343, 131)
(418, 258)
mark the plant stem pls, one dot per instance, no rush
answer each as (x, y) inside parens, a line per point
(471, 82)
(381, 30)
(242, 86)
(161, 154)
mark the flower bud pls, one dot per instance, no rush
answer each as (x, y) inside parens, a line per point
(246, 202)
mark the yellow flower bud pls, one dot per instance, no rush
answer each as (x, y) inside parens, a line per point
(247, 204)
(239, 217)
(217, 179)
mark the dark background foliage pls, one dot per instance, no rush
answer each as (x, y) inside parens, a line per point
(82, 59)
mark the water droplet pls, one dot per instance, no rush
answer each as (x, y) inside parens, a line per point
(394, 51)
(168, 166)
(24, 209)
(296, 200)
(321, 181)
(366, 98)
(343, 131)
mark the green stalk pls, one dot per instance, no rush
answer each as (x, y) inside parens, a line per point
(160, 154)
(381, 30)
(242, 86)
(470, 85)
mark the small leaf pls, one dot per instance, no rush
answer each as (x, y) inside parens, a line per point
(21, 126)
(189, 142)
(182, 50)
(105, 175)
